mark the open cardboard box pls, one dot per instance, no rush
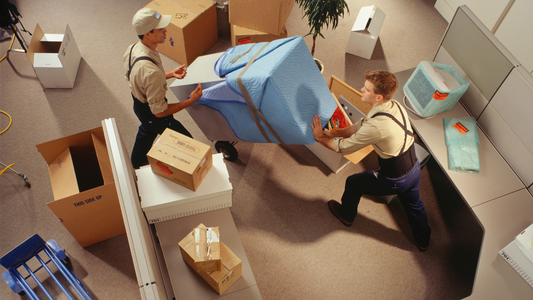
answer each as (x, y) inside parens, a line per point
(55, 58)
(85, 197)
(192, 30)
(365, 31)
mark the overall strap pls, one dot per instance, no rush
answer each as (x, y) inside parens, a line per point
(407, 132)
(136, 60)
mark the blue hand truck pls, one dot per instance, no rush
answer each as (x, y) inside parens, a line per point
(35, 247)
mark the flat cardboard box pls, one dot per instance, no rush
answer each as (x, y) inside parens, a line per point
(365, 31)
(85, 197)
(201, 249)
(241, 35)
(202, 70)
(192, 30)
(162, 199)
(265, 16)
(181, 159)
(55, 58)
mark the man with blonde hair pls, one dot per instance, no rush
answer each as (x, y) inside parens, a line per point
(388, 129)
(148, 84)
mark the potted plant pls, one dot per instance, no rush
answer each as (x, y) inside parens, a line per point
(320, 13)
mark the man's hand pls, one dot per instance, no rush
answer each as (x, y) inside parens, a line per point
(180, 72)
(197, 93)
(318, 132)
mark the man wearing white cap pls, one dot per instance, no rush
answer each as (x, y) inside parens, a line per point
(148, 85)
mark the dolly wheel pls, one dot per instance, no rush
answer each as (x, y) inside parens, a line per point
(227, 149)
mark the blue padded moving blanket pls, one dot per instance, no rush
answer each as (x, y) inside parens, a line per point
(284, 85)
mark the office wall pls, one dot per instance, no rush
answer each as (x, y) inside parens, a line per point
(508, 20)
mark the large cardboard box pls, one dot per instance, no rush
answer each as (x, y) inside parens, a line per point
(55, 58)
(192, 30)
(365, 31)
(265, 16)
(181, 159)
(85, 197)
(201, 249)
(241, 35)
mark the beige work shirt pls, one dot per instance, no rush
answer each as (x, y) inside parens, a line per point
(381, 132)
(148, 82)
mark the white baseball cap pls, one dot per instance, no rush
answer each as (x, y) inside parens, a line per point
(147, 19)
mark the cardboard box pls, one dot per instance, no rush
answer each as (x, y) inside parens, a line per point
(231, 269)
(202, 70)
(181, 159)
(85, 197)
(192, 31)
(163, 200)
(241, 35)
(265, 16)
(365, 31)
(201, 249)
(55, 58)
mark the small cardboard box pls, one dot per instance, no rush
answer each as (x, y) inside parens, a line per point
(192, 30)
(201, 249)
(230, 272)
(265, 16)
(55, 58)
(365, 31)
(241, 35)
(181, 159)
(85, 197)
(231, 269)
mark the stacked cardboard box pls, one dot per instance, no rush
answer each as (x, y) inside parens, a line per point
(198, 249)
(254, 21)
(181, 159)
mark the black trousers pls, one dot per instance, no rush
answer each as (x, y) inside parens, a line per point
(147, 133)
(406, 187)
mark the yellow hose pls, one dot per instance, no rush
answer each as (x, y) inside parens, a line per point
(12, 41)
(9, 125)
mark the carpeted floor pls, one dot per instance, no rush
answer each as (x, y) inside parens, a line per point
(296, 248)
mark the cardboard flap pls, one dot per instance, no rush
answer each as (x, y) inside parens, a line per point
(51, 149)
(47, 60)
(35, 43)
(67, 46)
(103, 156)
(377, 22)
(63, 176)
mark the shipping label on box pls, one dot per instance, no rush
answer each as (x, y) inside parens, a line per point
(85, 196)
(241, 35)
(201, 249)
(192, 30)
(180, 159)
(265, 16)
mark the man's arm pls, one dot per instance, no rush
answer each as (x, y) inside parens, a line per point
(176, 107)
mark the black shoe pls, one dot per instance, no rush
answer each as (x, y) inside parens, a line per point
(334, 207)
(420, 248)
